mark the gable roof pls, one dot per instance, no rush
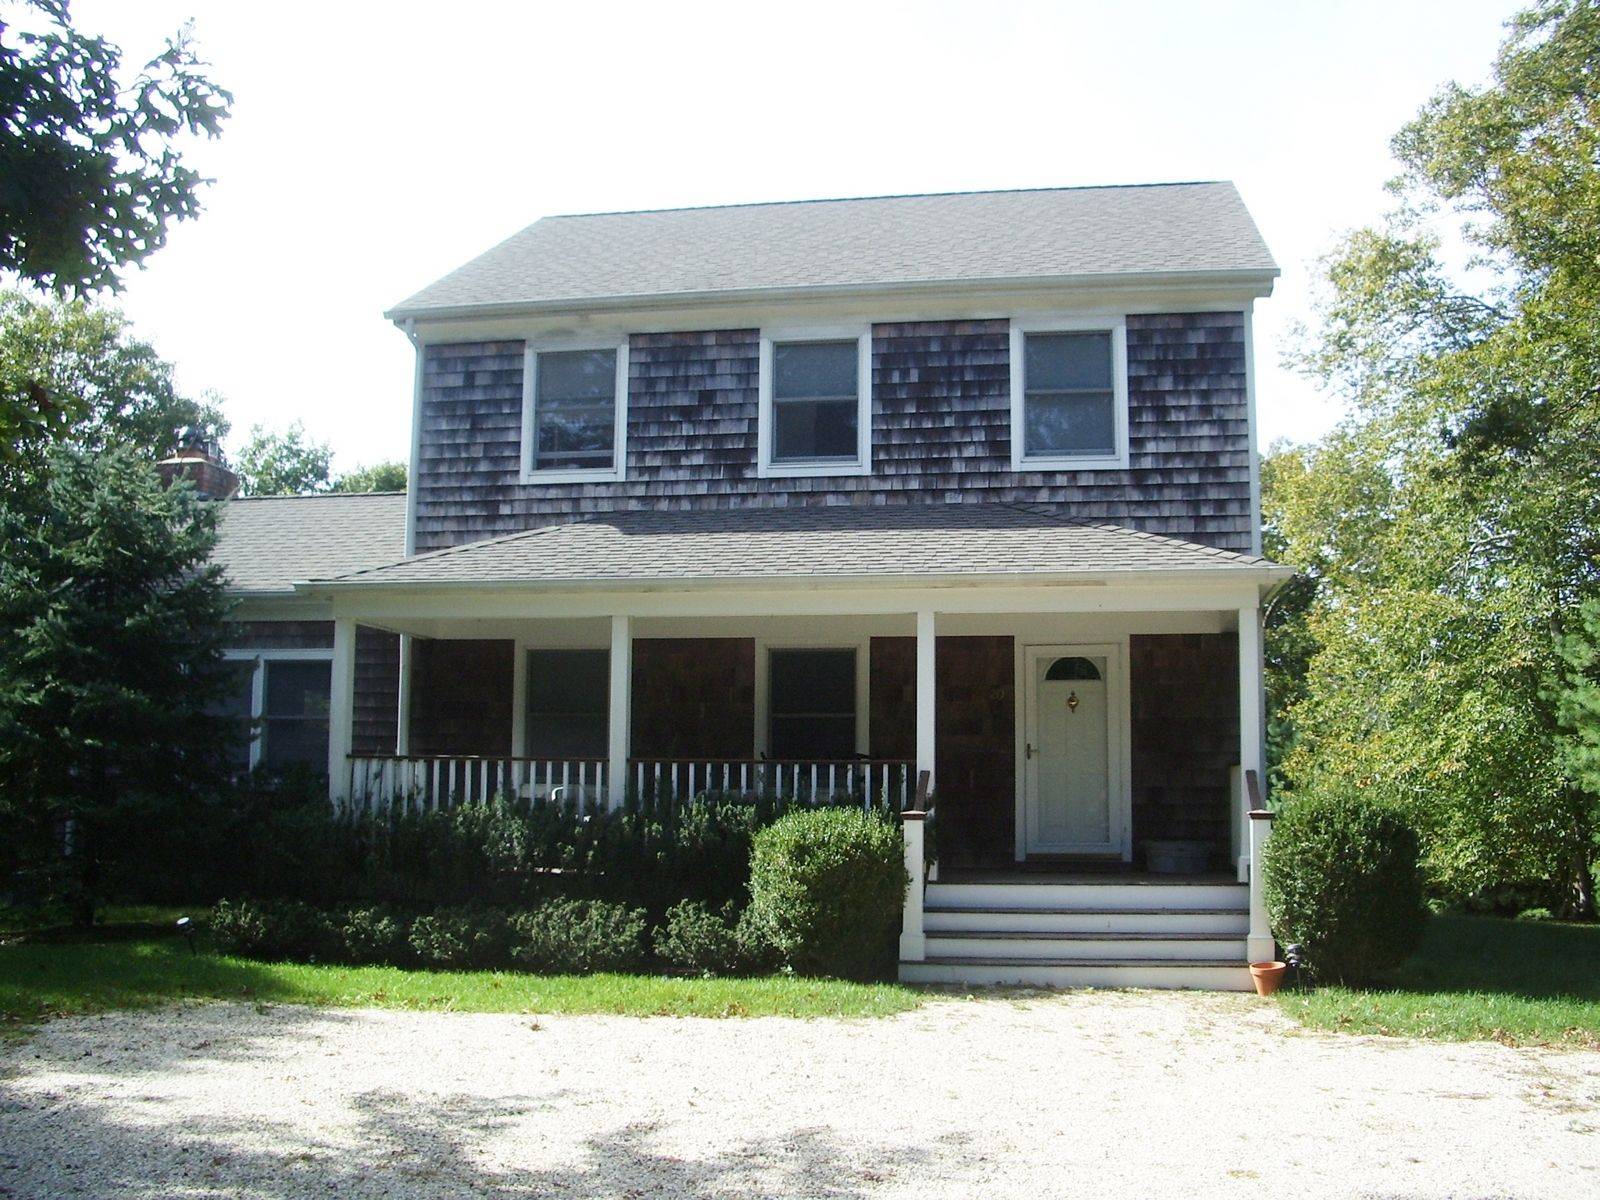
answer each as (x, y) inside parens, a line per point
(268, 543)
(834, 543)
(1037, 235)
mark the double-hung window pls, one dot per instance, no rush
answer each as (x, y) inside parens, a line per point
(816, 403)
(574, 413)
(1069, 396)
(280, 702)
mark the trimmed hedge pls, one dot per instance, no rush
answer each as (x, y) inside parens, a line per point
(826, 892)
(1343, 880)
(697, 941)
(580, 936)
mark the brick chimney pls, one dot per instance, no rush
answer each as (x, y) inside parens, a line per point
(199, 460)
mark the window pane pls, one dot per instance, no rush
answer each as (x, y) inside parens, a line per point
(295, 742)
(298, 689)
(811, 429)
(575, 409)
(810, 369)
(235, 706)
(577, 375)
(1071, 424)
(295, 726)
(1055, 362)
(567, 706)
(813, 703)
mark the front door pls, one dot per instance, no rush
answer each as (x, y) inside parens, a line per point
(1073, 802)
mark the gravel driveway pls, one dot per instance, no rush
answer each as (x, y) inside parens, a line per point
(1104, 1094)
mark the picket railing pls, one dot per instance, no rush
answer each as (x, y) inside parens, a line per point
(433, 781)
(883, 783)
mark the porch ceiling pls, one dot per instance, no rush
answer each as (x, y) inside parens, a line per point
(835, 544)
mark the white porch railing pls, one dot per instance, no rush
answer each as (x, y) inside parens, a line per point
(432, 781)
(882, 783)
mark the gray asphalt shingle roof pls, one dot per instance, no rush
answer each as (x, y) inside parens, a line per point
(269, 543)
(881, 241)
(806, 543)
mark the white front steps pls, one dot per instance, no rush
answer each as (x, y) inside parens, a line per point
(1042, 934)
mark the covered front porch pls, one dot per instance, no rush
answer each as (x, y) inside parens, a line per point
(1052, 740)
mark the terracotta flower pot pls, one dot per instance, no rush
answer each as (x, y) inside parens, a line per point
(1267, 976)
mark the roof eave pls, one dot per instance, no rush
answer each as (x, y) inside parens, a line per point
(1254, 281)
(1265, 574)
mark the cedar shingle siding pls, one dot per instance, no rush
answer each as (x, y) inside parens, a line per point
(1184, 694)
(941, 432)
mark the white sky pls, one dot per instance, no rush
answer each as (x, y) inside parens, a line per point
(375, 146)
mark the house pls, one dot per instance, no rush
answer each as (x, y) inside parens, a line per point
(823, 498)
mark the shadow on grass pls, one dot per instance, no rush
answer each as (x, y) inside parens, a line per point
(446, 1145)
(1534, 960)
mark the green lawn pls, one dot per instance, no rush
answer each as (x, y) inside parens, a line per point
(1519, 982)
(44, 979)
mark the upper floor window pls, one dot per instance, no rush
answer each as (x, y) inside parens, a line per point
(574, 413)
(816, 403)
(1069, 395)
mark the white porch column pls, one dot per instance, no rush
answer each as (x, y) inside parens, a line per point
(341, 708)
(621, 708)
(1259, 945)
(926, 698)
(402, 736)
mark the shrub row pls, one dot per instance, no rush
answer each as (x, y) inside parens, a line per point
(825, 899)
(286, 843)
(558, 936)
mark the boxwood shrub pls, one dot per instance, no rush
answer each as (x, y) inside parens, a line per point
(461, 939)
(274, 930)
(579, 936)
(696, 941)
(1342, 880)
(826, 891)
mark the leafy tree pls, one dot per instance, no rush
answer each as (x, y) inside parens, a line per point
(389, 476)
(1451, 520)
(74, 375)
(90, 176)
(283, 464)
(111, 631)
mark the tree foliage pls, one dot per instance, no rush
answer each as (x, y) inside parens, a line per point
(1449, 524)
(388, 476)
(283, 464)
(90, 173)
(111, 632)
(74, 375)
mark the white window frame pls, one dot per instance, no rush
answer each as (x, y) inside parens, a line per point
(258, 686)
(765, 425)
(617, 471)
(1117, 327)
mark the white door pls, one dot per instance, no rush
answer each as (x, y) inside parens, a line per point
(1072, 800)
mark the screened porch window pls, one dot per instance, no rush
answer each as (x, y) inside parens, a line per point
(294, 718)
(567, 702)
(575, 405)
(812, 704)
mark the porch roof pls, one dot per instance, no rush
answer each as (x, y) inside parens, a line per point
(967, 541)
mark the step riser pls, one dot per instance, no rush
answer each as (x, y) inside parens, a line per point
(980, 921)
(1212, 978)
(1205, 950)
(1168, 898)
